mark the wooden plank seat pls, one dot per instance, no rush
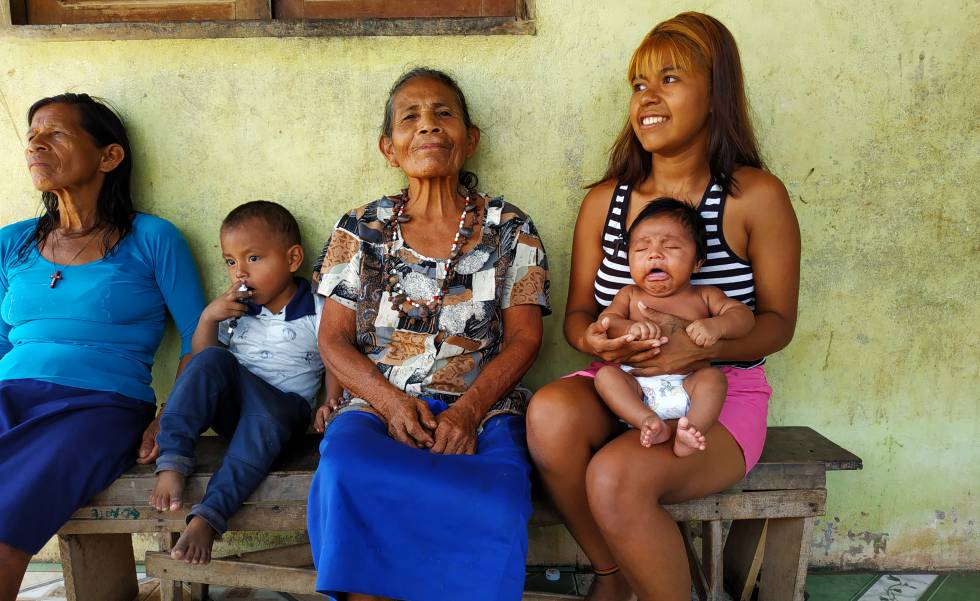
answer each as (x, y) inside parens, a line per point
(772, 509)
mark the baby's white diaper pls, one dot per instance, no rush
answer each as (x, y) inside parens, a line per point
(664, 394)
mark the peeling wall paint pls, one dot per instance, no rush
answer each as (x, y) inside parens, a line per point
(867, 111)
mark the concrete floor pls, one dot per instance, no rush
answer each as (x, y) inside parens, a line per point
(43, 582)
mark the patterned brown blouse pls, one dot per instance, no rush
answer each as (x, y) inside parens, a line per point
(507, 267)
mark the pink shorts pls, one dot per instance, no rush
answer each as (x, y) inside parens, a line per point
(744, 412)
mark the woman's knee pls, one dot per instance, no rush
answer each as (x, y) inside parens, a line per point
(615, 493)
(561, 414)
(550, 414)
(603, 487)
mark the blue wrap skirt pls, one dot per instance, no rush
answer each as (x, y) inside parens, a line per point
(391, 520)
(59, 446)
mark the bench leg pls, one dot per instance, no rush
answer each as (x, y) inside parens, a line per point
(698, 579)
(170, 590)
(98, 566)
(199, 592)
(786, 558)
(743, 557)
(711, 553)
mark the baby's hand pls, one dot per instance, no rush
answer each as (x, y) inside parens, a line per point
(644, 330)
(704, 332)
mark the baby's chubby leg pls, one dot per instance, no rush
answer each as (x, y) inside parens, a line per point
(707, 388)
(624, 397)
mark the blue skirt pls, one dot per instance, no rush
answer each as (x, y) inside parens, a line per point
(59, 446)
(391, 520)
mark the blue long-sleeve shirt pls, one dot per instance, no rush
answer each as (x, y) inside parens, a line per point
(100, 326)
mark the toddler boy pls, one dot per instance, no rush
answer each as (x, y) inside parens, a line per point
(253, 377)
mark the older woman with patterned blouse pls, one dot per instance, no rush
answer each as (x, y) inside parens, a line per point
(434, 311)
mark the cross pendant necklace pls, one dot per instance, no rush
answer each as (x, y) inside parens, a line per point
(56, 276)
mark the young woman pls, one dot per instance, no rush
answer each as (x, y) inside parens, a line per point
(687, 136)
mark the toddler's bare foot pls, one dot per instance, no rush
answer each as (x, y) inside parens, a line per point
(166, 495)
(610, 588)
(194, 545)
(653, 431)
(688, 438)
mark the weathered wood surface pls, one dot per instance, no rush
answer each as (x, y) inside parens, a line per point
(368, 9)
(280, 501)
(787, 488)
(170, 590)
(278, 487)
(801, 445)
(290, 556)
(751, 504)
(793, 458)
(277, 29)
(787, 555)
(725, 506)
(698, 578)
(99, 566)
(743, 557)
(143, 518)
(712, 548)
(242, 574)
(56, 12)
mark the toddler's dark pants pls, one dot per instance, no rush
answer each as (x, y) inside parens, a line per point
(216, 391)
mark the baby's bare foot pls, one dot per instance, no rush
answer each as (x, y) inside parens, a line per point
(610, 588)
(653, 431)
(688, 438)
(167, 493)
(194, 545)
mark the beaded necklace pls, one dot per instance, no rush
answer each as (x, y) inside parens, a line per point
(426, 309)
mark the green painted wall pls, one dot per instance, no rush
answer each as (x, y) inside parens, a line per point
(866, 110)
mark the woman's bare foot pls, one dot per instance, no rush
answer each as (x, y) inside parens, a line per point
(687, 439)
(653, 430)
(167, 493)
(612, 587)
(194, 545)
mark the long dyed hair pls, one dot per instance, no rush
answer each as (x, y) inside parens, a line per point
(693, 41)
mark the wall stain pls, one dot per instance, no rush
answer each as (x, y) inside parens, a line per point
(826, 357)
(10, 115)
(877, 540)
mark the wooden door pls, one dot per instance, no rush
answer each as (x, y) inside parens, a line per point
(46, 12)
(391, 9)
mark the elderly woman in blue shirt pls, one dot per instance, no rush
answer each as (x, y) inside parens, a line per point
(85, 290)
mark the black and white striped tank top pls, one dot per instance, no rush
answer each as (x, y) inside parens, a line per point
(723, 268)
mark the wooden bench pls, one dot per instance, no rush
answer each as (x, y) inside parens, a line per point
(772, 511)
